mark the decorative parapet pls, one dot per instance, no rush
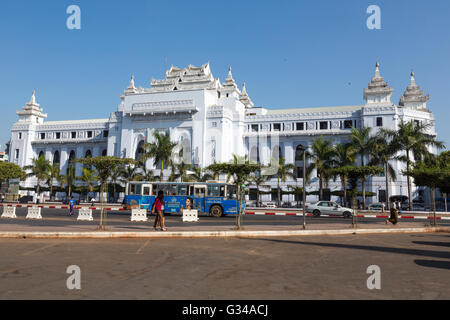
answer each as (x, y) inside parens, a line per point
(164, 107)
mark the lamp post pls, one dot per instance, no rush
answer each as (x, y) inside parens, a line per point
(303, 149)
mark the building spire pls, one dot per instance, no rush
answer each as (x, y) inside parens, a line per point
(413, 97)
(245, 99)
(33, 99)
(131, 87)
(378, 90)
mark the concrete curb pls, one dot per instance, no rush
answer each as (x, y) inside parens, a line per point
(210, 234)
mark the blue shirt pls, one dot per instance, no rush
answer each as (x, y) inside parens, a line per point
(72, 203)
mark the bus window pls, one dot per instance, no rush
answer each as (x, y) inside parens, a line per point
(138, 189)
(146, 191)
(199, 192)
(154, 187)
(231, 192)
(191, 190)
(182, 190)
(132, 189)
(213, 191)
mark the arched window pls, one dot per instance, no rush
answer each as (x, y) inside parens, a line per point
(299, 160)
(88, 154)
(139, 151)
(104, 153)
(56, 158)
(71, 157)
(254, 154)
(276, 153)
(41, 154)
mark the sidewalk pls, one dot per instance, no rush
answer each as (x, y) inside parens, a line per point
(191, 230)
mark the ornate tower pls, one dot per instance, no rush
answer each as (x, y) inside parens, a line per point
(378, 91)
(413, 97)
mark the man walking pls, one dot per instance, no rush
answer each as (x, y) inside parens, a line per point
(71, 206)
(394, 214)
(158, 208)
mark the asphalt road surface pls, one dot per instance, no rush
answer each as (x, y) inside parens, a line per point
(60, 218)
(412, 266)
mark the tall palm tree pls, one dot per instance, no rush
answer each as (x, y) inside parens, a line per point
(411, 137)
(259, 181)
(180, 171)
(383, 151)
(199, 175)
(40, 169)
(344, 155)
(146, 175)
(161, 151)
(321, 159)
(363, 143)
(88, 177)
(128, 173)
(283, 172)
(53, 174)
(70, 179)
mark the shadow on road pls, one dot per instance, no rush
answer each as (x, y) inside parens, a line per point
(414, 252)
(433, 264)
(432, 243)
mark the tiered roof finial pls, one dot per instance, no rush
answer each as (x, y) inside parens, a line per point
(413, 96)
(378, 90)
(229, 81)
(245, 99)
(131, 87)
(33, 99)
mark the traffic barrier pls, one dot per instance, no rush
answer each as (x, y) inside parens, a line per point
(9, 212)
(34, 213)
(139, 215)
(85, 214)
(190, 215)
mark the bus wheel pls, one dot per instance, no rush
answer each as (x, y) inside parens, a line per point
(216, 211)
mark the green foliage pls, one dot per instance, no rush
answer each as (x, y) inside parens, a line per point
(161, 151)
(11, 171)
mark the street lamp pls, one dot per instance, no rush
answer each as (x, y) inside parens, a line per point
(303, 149)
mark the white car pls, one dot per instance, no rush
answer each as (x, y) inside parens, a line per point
(270, 205)
(328, 208)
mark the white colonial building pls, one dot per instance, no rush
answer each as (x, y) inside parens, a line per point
(211, 121)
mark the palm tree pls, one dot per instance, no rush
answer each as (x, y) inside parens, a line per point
(161, 151)
(411, 137)
(259, 181)
(382, 152)
(88, 176)
(128, 174)
(53, 174)
(62, 180)
(70, 179)
(180, 171)
(199, 175)
(363, 143)
(40, 169)
(283, 171)
(344, 155)
(321, 159)
(146, 175)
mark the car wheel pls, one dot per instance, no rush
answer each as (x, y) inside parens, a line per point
(347, 214)
(216, 211)
(316, 213)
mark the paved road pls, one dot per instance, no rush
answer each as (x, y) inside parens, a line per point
(60, 218)
(415, 266)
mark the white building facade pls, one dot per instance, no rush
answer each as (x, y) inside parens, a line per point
(211, 121)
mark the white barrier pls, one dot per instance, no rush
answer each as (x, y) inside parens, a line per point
(9, 212)
(34, 213)
(139, 215)
(85, 214)
(190, 215)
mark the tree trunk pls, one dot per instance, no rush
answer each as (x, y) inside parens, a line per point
(433, 199)
(279, 193)
(408, 179)
(363, 185)
(387, 188)
(102, 188)
(445, 201)
(320, 188)
(162, 171)
(344, 185)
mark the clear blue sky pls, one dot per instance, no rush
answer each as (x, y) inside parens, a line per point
(290, 53)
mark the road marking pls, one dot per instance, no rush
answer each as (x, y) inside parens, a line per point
(39, 249)
(143, 246)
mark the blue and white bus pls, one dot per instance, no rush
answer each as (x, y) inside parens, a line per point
(210, 198)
